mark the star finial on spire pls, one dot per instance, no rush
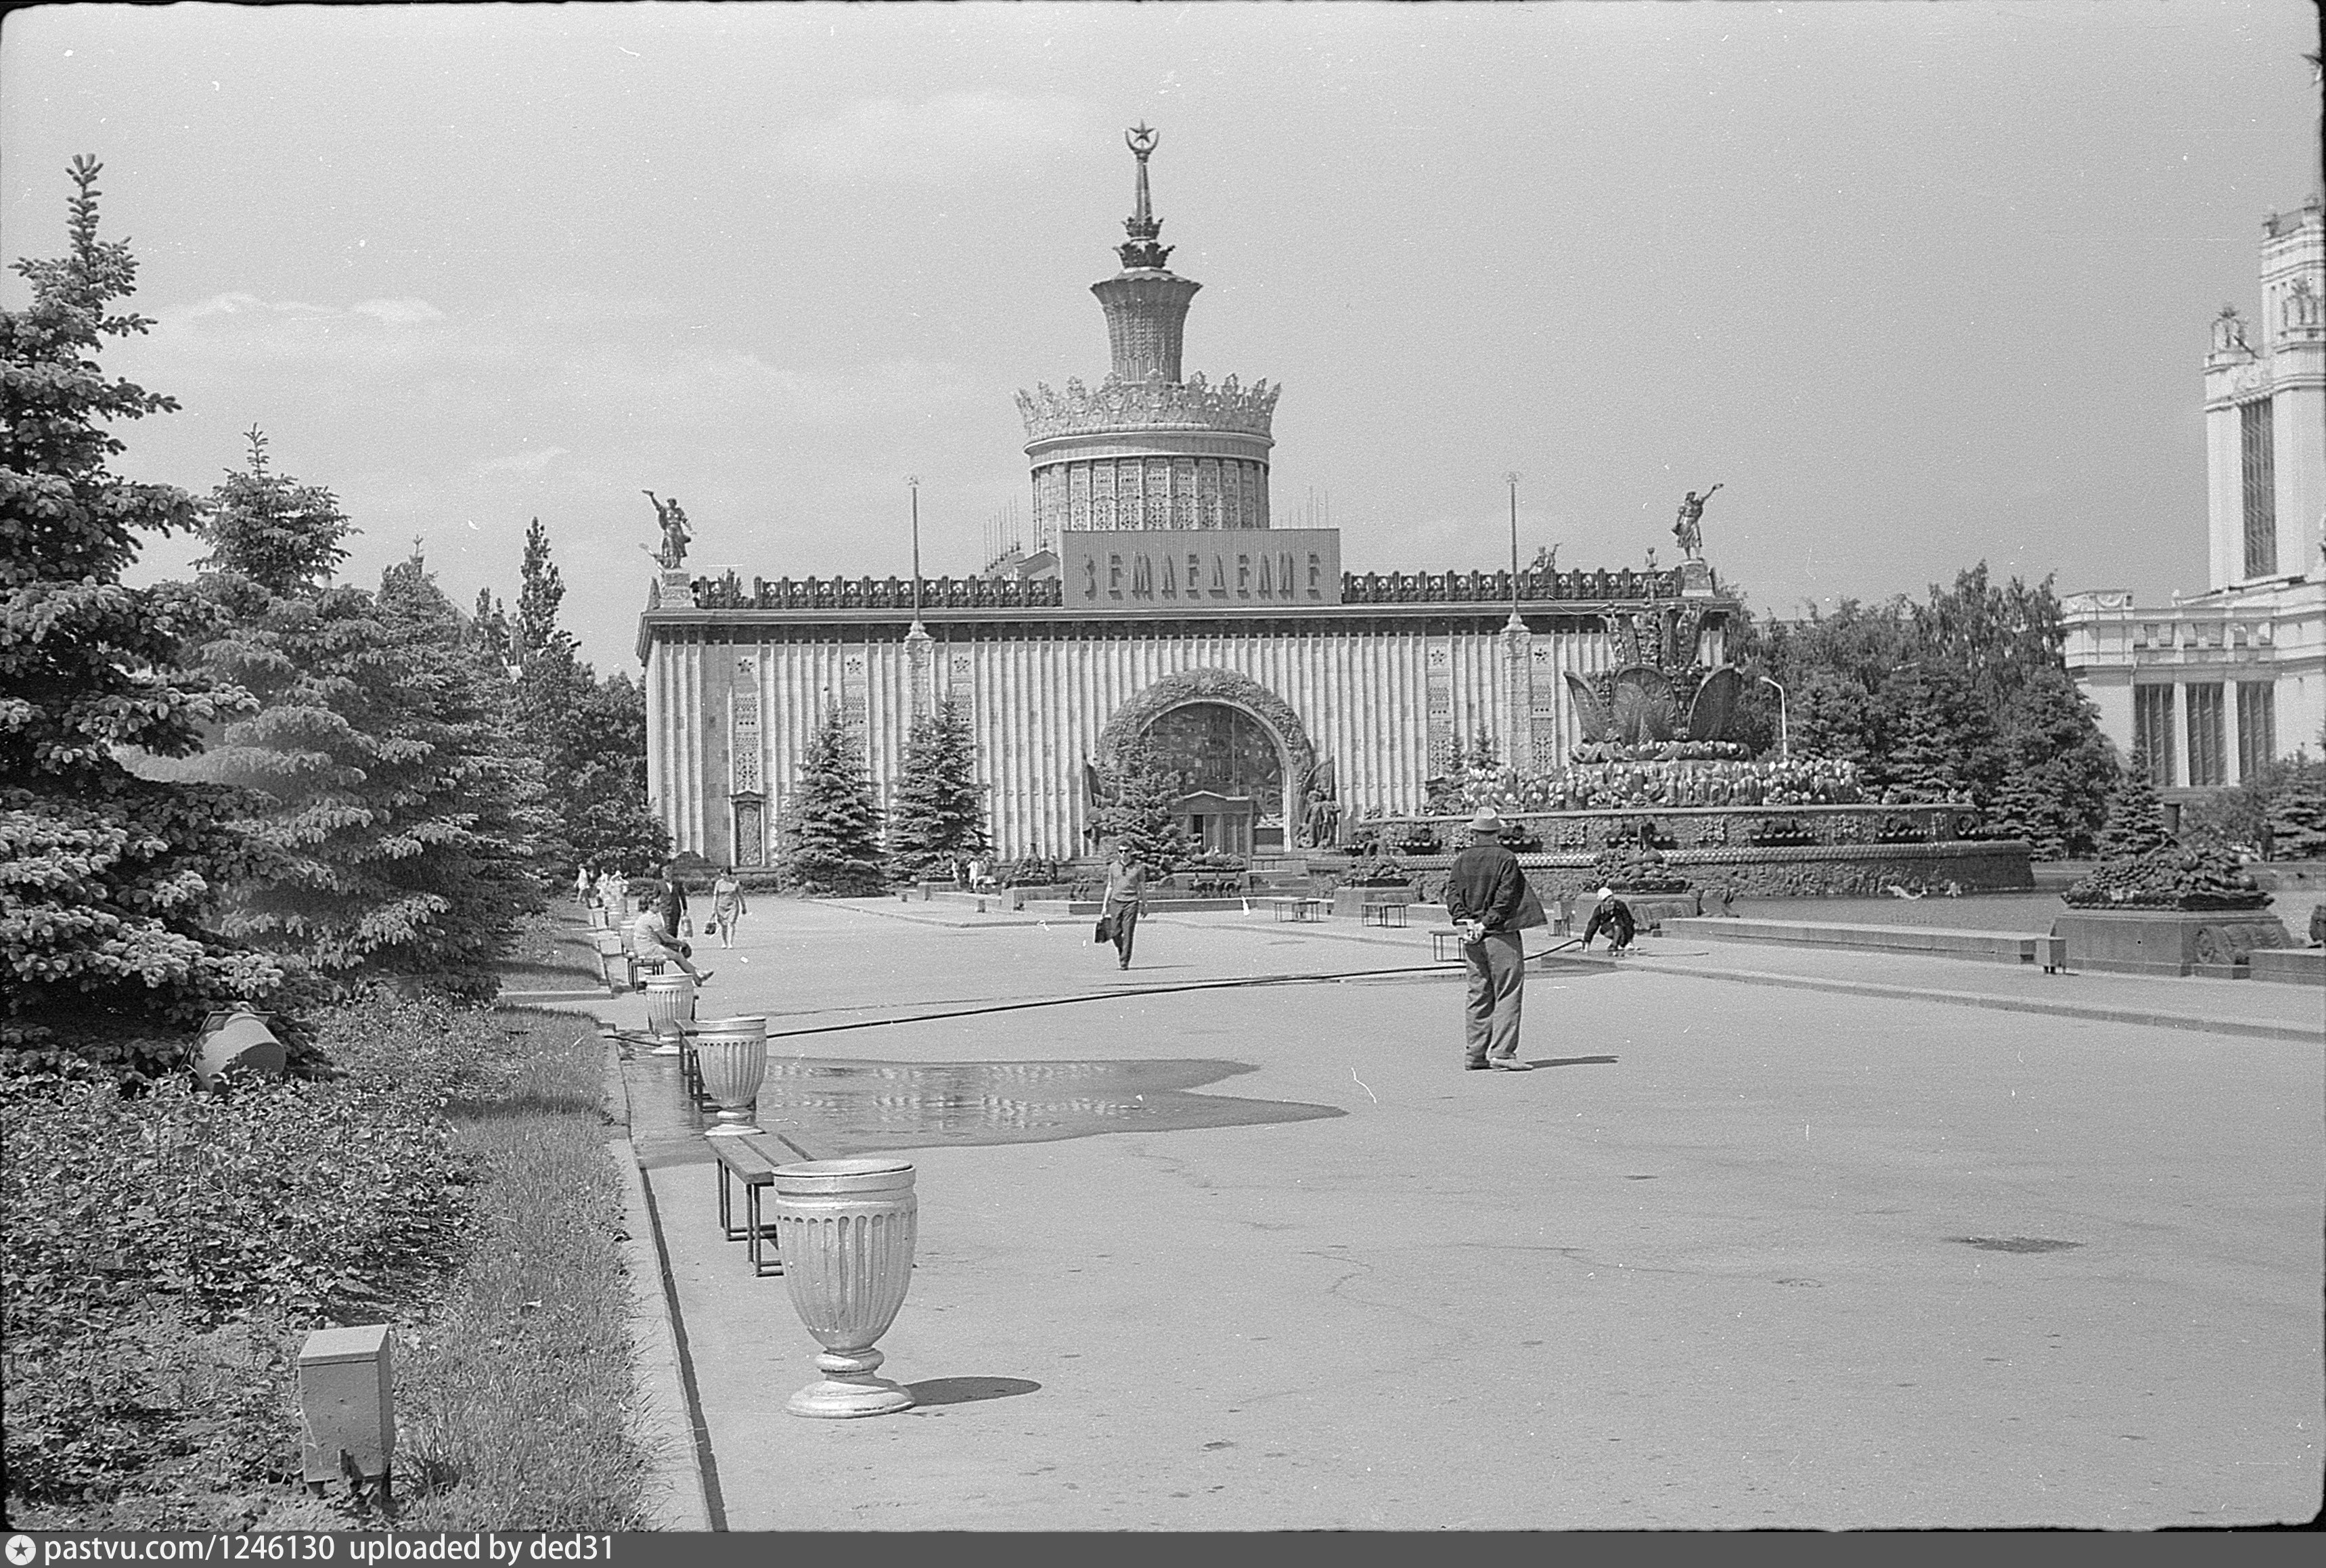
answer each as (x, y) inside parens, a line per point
(1142, 225)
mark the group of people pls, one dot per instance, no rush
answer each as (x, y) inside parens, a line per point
(659, 933)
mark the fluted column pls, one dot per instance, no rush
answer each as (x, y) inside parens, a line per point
(1518, 692)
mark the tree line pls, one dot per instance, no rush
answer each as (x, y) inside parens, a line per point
(264, 785)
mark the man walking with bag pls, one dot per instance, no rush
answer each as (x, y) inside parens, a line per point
(1488, 897)
(1126, 891)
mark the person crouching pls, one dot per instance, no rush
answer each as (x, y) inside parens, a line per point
(1613, 917)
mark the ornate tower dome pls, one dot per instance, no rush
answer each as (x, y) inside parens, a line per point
(1146, 448)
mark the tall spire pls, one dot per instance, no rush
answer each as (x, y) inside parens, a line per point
(1142, 225)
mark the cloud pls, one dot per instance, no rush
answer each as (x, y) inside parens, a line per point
(532, 460)
(239, 329)
(929, 139)
(399, 313)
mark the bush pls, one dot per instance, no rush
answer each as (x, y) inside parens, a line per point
(138, 1220)
(2205, 876)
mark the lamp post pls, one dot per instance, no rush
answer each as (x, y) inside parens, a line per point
(914, 482)
(1512, 479)
(1784, 743)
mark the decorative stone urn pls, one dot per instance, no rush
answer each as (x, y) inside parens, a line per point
(845, 1229)
(733, 1056)
(669, 1002)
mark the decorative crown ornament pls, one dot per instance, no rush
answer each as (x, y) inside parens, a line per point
(1117, 404)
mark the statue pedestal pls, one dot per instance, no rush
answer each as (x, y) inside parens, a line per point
(675, 589)
(1695, 577)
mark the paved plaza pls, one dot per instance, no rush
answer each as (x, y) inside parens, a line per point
(1735, 1254)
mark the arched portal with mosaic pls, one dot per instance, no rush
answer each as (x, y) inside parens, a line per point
(1242, 755)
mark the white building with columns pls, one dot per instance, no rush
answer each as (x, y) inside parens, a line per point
(1161, 603)
(2213, 684)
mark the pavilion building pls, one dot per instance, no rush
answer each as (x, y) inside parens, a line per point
(1159, 603)
(2216, 683)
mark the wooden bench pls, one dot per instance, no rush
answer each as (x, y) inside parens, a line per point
(740, 1163)
(1445, 944)
(1297, 909)
(1383, 913)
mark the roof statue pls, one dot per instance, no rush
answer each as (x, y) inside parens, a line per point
(672, 555)
(1688, 529)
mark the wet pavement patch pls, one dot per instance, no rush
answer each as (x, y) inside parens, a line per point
(2015, 1243)
(843, 1108)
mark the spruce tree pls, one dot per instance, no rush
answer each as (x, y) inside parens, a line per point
(831, 829)
(939, 816)
(105, 878)
(2136, 817)
(1142, 816)
(380, 764)
(590, 736)
(2057, 767)
(2297, 812)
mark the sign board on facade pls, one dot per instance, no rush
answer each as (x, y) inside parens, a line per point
(1150, 568)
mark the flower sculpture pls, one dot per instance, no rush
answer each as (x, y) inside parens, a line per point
(1639, 705)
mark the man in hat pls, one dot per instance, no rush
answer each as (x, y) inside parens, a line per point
(1487, 897)
(1613, 917)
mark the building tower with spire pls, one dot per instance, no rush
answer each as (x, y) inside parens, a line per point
(1147, 447)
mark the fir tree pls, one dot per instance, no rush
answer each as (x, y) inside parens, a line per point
(1141, 814)
(2136, 817)
(105, 878)
(2297, 812)
(938, 818)
(1942, 743)
(2057, 767)
(831, 830)
(590, 736)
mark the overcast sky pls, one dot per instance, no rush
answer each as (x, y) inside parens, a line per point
(1919, 284)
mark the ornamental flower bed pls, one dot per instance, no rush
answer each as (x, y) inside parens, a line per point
(2172, 876)
(1637, 869)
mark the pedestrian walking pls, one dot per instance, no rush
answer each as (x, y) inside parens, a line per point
(1613, 917)
(670, 900)
(581, 887)
(1488, 896)
(1126, 896)
(612, 888)
(727, 907)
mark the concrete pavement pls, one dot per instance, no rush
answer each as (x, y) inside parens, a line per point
(1735, 1255)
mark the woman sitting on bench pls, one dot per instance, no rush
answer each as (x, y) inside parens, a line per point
(651, 944)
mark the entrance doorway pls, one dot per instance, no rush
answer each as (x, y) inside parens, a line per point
(1233, 773)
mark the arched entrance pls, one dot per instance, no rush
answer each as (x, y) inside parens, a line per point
(1243, 753)
(1232, 776)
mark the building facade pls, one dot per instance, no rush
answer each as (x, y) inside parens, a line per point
(2212, 685)
(1160, 604)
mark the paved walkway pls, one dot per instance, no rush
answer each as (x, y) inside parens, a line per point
(1737, 1254)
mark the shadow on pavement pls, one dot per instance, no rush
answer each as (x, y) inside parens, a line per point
(968, 1390)
(1573, 1062)
(852, 1108)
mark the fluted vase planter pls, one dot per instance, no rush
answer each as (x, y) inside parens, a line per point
(669, 1002)
(733, 1055)
(845, 1229)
